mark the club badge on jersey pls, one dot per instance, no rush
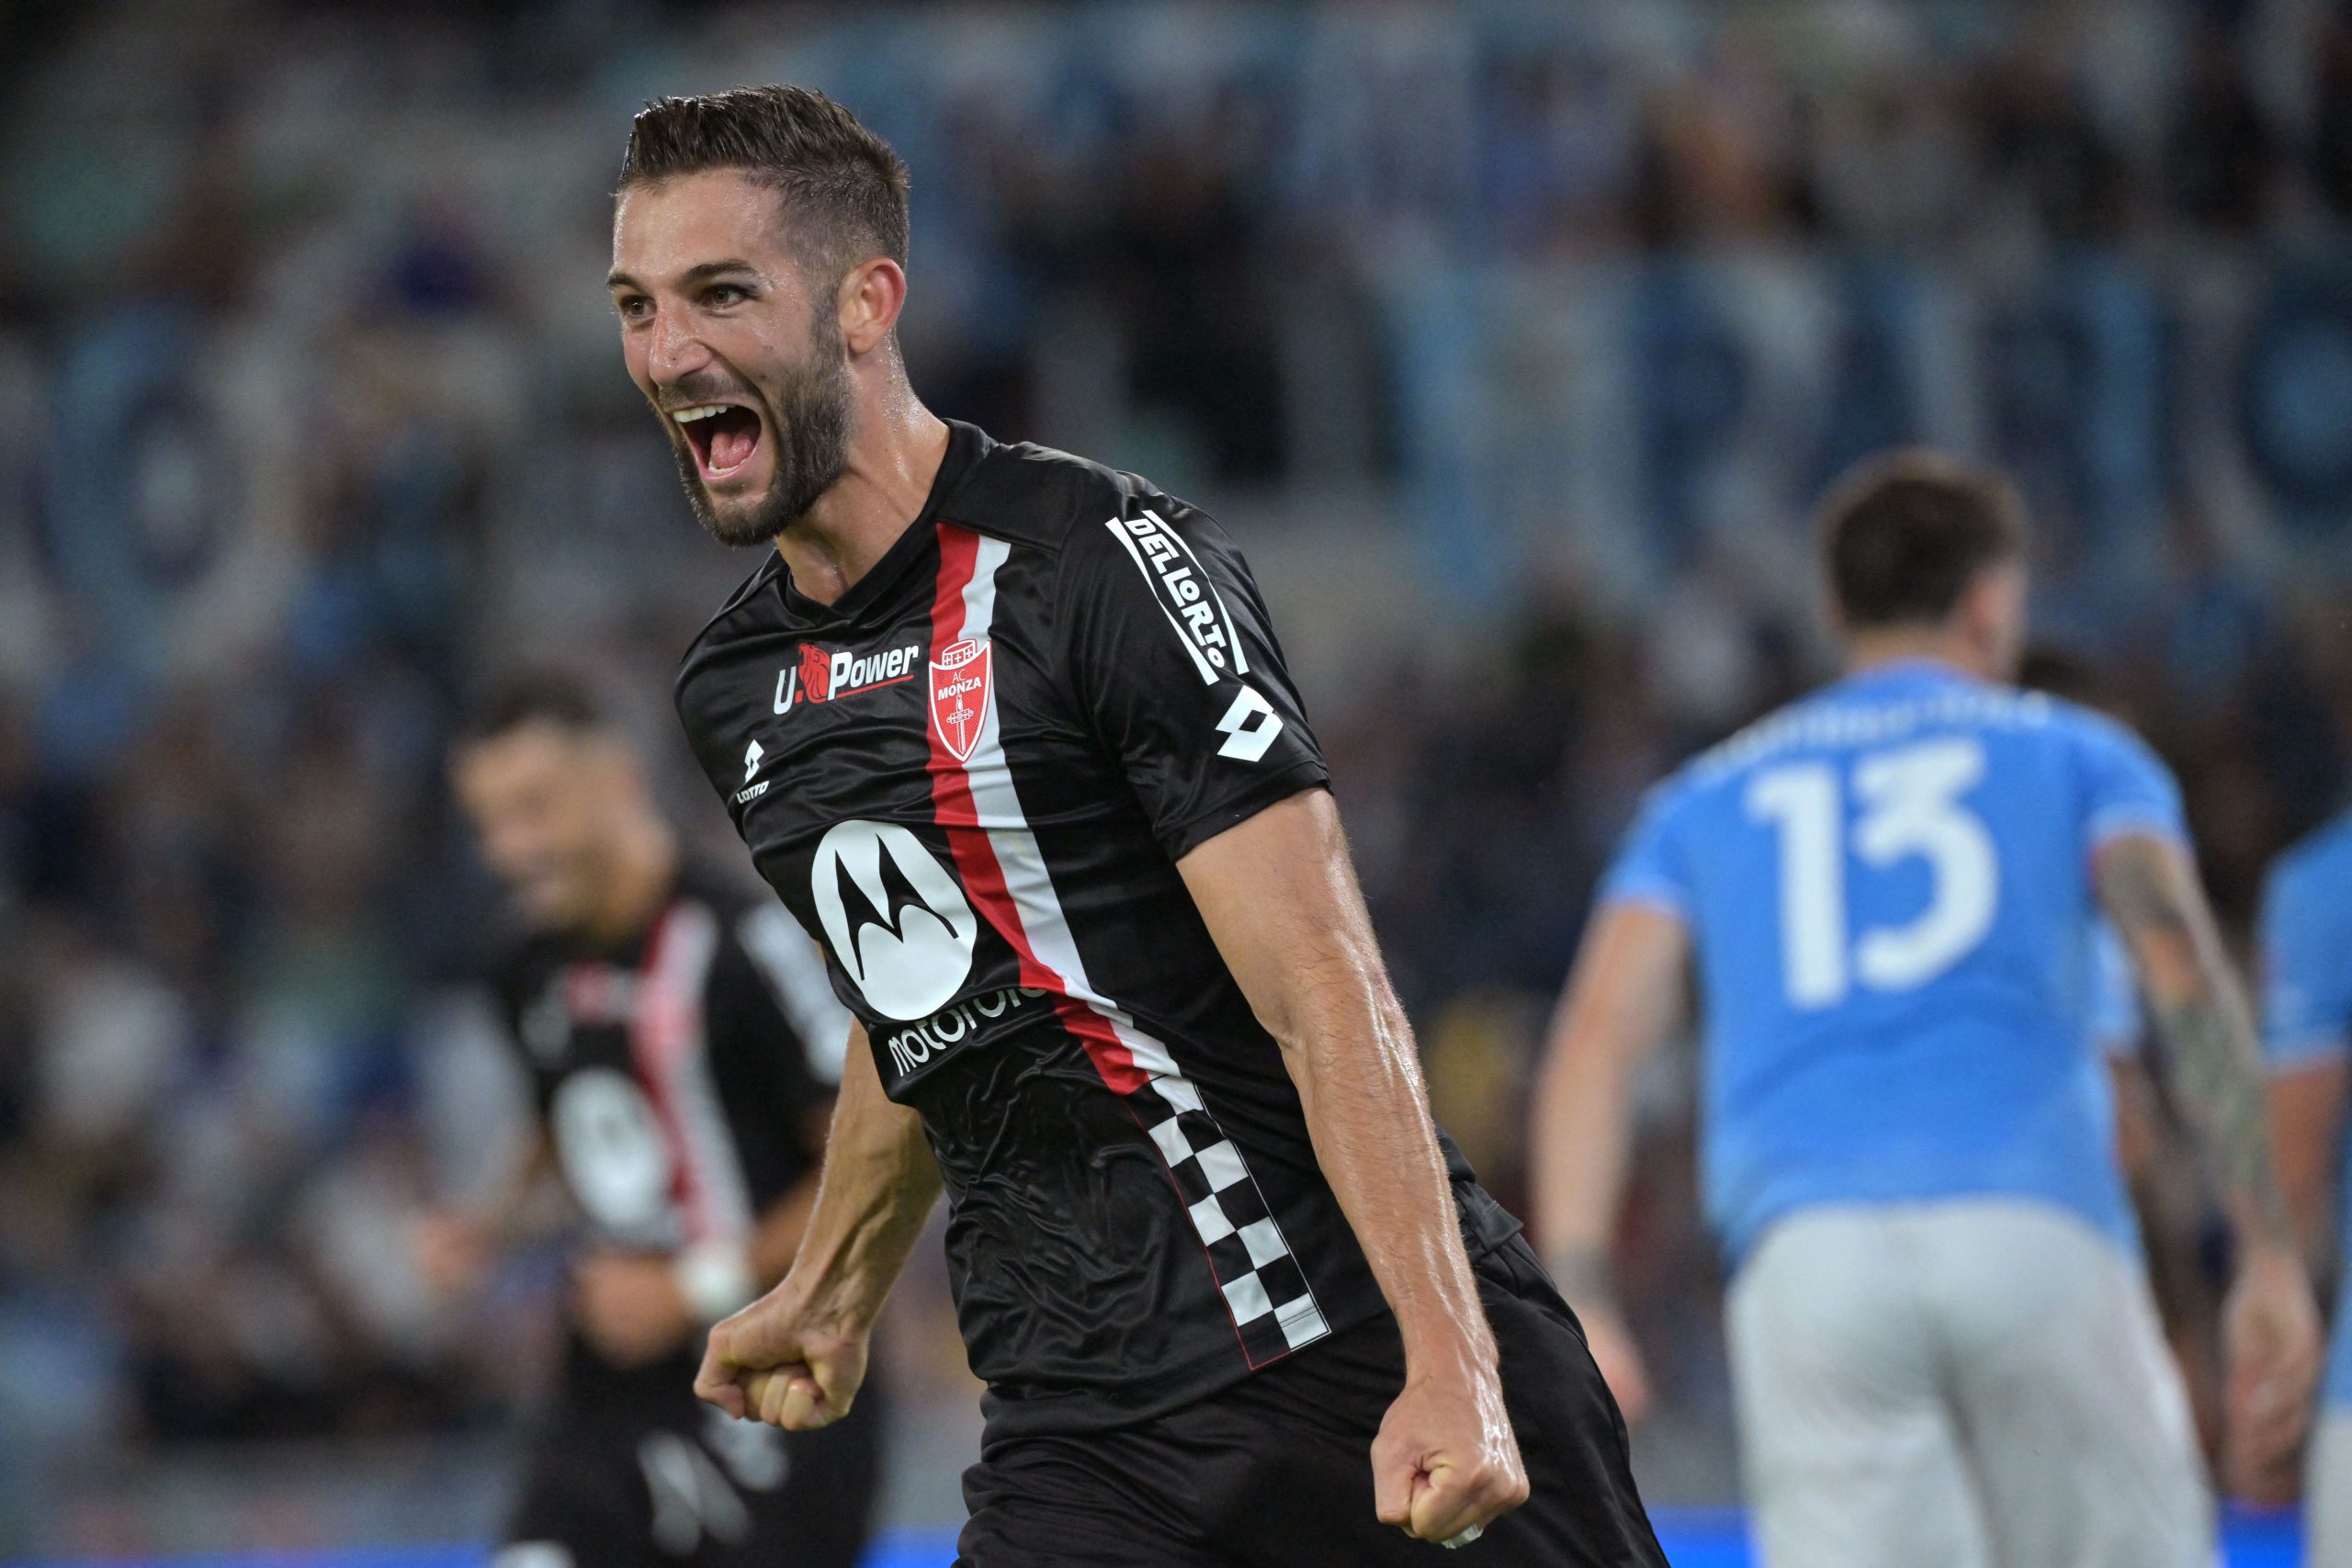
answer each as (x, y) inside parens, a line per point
(959, 695)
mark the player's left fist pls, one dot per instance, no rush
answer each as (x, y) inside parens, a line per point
(1446, 1462)
(628, 1306)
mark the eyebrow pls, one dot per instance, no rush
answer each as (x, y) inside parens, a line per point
(616, 278)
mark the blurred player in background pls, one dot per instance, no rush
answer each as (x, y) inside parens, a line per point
(1943, 1349)
(682, 1044)
(2183, 1233)
(2307, 987)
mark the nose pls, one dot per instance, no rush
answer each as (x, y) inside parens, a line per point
(675, 351)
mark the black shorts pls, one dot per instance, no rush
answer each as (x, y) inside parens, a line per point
(1276, 1470)
(642, 1474)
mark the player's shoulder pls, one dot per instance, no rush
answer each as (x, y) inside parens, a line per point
(1089, 515)
(2075, 723)
(2316, 869)
(747, 611)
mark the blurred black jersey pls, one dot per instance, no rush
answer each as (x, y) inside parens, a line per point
(680, 1074)
(971, 780)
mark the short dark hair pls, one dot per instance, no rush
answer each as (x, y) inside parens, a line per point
(842, 184)
(525, 697)
(1903, 534)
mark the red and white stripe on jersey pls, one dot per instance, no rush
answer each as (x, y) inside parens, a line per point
(671, 1050)
(1274, 1309)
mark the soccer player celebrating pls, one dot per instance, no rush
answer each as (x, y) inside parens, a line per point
(682, 1042)
(1010, 732)
(2307, 986)
(1943, 1349)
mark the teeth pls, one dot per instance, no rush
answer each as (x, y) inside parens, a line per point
(687, 416)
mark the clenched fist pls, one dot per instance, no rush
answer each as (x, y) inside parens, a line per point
(780, 1363)
(1446, 1460)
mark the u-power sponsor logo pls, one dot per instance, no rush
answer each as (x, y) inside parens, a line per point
(822, 677)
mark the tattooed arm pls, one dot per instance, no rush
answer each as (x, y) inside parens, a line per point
(2148, 885)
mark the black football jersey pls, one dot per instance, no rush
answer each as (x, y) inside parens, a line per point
(971, 779)
(677, 1074)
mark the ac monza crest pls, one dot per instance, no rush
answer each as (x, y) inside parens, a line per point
(959, 695)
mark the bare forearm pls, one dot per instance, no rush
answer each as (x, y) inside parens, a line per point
(1350, 1053)
(2210, 1041)
(877, 1188)
(1578, 1152)
(1624, 997)
(2202, 1017)
(1279, 896)
(775, 1241)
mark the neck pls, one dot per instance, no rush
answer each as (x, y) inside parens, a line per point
(1876, 650)
(894, 457)
(636, 885)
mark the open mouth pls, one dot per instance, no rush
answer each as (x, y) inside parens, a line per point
(724, 436)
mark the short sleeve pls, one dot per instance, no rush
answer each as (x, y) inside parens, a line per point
(2126, 787)
(2306, 969)
(1172, 660)
(1648, 868)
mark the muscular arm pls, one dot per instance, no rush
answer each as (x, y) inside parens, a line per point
(795, 1356)
(1623, 999)
(1280, 898)
(2149, 891)
(2270, 1326)
(877, 1188)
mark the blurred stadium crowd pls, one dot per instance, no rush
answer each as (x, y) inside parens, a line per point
(1512, 344)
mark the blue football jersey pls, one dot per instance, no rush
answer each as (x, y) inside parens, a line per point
(2307, 1007)
(1888, 889)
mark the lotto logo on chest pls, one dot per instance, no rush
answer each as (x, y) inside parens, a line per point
(959, 695)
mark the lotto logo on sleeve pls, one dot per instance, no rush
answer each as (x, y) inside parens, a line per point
(1186, 595)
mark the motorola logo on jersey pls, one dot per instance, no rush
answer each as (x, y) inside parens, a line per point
(822, 677)
(896, 922)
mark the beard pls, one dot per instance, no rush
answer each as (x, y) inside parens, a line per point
(808, 417)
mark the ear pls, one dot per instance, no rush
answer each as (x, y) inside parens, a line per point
(871, 297)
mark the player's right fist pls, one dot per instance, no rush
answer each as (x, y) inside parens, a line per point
(779, 1361)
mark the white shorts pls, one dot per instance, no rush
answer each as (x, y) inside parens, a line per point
(1976, 1384)
(2328, 1492)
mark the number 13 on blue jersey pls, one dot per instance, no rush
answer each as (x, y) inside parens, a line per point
(1906, 803)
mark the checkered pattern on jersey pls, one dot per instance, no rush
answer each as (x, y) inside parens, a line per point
(1273, 1307)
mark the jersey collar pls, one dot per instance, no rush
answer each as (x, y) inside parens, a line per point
(1917, 669)
(965, 446)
